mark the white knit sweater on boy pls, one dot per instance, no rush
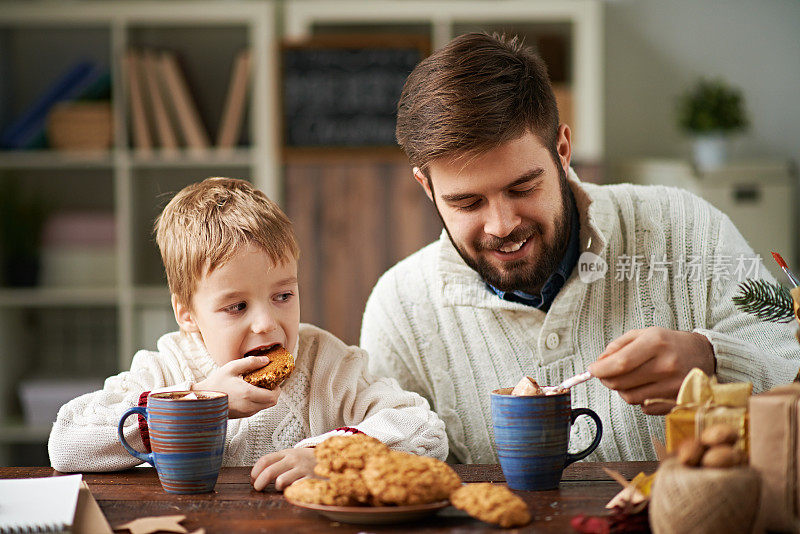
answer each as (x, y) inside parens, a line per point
(432, 323)
(329, 388)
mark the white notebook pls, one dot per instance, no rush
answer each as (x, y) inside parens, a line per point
(38, 504)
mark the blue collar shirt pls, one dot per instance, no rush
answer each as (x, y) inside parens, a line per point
(556, 280)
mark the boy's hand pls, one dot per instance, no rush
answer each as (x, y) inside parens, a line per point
(284, 467)
(244, 399)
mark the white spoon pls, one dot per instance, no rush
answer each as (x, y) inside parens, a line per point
(568, 383)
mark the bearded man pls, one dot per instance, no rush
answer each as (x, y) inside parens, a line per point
(526, 278)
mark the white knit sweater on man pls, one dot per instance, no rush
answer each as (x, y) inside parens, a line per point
(432, 323)
(330, 388)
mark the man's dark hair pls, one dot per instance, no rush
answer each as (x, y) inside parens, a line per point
(474, 94)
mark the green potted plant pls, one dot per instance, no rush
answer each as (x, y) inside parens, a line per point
(22, 220)
(711, 112)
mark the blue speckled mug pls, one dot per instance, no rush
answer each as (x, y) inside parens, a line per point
(532, 435)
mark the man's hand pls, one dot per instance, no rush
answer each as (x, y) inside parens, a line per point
(244, 399)
(651, 364)
(284, 467)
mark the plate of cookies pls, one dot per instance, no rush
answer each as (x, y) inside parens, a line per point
(374, 515)
(362, 481)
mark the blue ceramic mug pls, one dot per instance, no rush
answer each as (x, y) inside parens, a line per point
(187, 437)
(532, 436)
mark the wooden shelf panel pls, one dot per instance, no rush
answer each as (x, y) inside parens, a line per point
(151, 296)
(39, 297)
(53, 159)
(388, 154)
(242, 157)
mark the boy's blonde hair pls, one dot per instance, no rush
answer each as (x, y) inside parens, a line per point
(207, 222)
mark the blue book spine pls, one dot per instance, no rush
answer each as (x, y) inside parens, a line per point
(31, 122)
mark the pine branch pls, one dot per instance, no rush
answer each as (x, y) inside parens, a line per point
(767, 301)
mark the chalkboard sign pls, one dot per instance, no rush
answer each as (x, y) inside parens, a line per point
(340, 93)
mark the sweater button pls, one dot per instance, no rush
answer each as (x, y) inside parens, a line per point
(552, 341)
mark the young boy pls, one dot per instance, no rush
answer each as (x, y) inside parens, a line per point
(230, 256)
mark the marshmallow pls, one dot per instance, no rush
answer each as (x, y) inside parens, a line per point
(526, 387)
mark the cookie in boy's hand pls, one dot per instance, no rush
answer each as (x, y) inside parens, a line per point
(281, 365)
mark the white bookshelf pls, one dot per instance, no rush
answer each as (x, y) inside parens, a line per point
(120, 179)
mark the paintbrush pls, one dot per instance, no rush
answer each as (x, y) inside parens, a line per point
(792, 278)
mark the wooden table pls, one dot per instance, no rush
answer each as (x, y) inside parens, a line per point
(235, 507)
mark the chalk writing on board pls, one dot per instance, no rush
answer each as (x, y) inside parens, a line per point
(343, 96)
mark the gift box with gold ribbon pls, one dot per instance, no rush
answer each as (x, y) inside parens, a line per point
(703, 402)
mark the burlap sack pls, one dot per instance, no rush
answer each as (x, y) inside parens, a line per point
(704, 500)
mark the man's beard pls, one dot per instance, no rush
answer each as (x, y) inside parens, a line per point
(520, 274)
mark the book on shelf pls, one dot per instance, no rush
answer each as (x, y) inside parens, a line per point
(163, 112)
(156, 97)
(183, 104)
(82, 80)
(233, 111)
(142, 140)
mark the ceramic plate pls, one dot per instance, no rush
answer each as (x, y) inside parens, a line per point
(374, 515)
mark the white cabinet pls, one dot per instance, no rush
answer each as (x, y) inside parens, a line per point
(758, 196)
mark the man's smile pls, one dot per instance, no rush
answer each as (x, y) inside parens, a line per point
(513, 250)
(512, 247)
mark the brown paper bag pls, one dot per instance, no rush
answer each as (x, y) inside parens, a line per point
(775, 453)
(795, 291)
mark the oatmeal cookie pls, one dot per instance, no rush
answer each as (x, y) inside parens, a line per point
(316, 491)
(280, 366)
(340, 454)
(351, 486)
(402, 478)
(492, 503)
(310, 490)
